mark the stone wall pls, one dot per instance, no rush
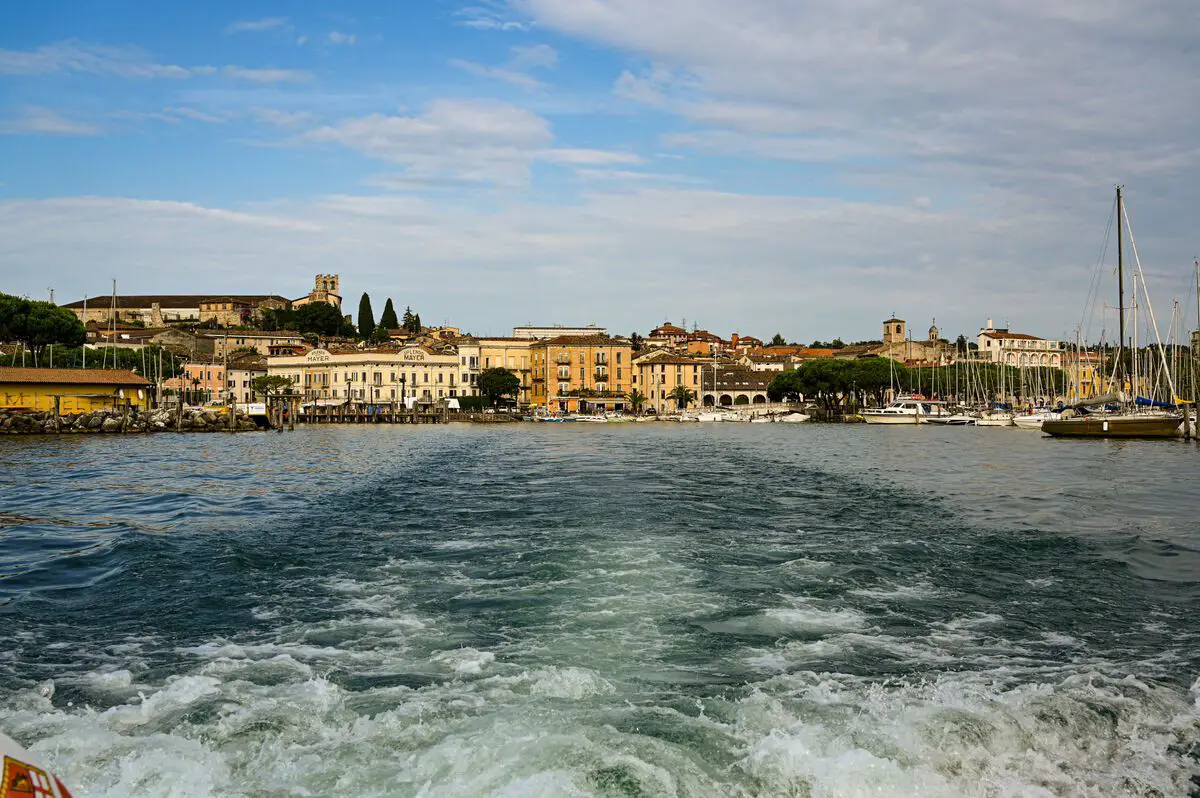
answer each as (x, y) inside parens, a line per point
(117, 421)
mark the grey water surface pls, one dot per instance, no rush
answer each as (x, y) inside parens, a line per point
(603, 610)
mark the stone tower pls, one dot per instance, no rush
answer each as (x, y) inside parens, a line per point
(934, 333)
(327, 288)
(894, 331)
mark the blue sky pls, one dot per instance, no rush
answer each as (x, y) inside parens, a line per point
(759, 166)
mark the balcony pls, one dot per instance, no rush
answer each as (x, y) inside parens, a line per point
(601, 359)
(564, 360)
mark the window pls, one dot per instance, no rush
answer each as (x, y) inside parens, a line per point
(618, 372)
(427, 378)
(582, 370)
(618, 357)
(441, 376)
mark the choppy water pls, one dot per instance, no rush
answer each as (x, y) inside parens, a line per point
(546, 610)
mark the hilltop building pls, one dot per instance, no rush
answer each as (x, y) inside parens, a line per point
(327, 288)
(999, 345)
(157, 310)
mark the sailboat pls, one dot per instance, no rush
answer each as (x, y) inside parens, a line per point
(1091, 418)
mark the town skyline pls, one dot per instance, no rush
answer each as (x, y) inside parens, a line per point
(490, 161)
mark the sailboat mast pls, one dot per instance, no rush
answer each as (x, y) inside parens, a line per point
(1120, 274)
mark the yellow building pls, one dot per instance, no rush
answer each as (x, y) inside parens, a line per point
(1085, 375)
(72, 390)
(581, 373)
(658, 374)
(513, 354)
(372, 375)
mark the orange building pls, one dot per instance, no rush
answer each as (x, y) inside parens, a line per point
(581, 373)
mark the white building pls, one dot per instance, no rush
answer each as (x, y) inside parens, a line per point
(998, 345)
(553, 331)
(373, 375)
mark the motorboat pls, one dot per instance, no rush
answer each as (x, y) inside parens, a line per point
(905, 410)
(994, 418)
(1035, 420)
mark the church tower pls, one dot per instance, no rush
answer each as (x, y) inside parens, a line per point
(894, 331)
(934, 334)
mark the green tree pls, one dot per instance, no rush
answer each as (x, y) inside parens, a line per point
(271, 384)
(417, 323)
(785, 387)
(496, 383)
(873, 376)
(960, 343)
(827, 380)
(320, 318)
(38, 324)
(388, 319)
(380, 335)
(366, 318)
(407, 321)
(636, 341)
(683, 396)
(778, 340)
(636, 399)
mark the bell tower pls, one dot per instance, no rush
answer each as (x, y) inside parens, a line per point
(894, 331)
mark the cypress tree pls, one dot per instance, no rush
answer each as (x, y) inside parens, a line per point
(366, 319)
(417, 323)
(407, 321)
(388, 320)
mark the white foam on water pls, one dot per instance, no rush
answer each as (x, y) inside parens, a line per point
(465, 660)
(802, 617)
(921, 591)
(961, 735)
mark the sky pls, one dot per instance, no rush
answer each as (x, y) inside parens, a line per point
(757, 166)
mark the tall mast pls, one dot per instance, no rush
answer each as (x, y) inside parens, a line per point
(1120, 274)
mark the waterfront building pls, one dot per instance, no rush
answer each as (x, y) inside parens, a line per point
(203, 381)
(658, 373)
(999, 345)
(72, 390)
(729, 384)
(415, 373)
(581, 373)
(468, 349)
(1085, 374)
(242, 371)
(512, 354)
(555, 330)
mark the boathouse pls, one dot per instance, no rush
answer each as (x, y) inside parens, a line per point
(72, 390)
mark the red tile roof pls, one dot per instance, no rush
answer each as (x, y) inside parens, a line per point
(1018, 336)
(71, 376)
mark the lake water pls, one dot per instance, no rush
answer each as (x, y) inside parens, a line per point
(616, 610)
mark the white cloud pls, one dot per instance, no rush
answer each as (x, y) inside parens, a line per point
(197, 115)
(266, 75)
(336, 37)
(73, 56)
(280, 118)
(707, 253)
(473, 140)
(255, 25)
(76, 57)
(37, 120)
(489, 15)
(516, 70)
(512, 76)
(575, 155)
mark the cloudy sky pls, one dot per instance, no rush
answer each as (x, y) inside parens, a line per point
(758, 166)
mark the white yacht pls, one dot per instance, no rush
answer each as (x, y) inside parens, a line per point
(906, 410)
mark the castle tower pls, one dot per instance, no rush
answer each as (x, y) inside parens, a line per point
(894, 331)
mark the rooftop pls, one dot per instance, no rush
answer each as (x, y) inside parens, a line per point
(583, 340)
(130, 301)
(71, 376)
(1005, 334)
